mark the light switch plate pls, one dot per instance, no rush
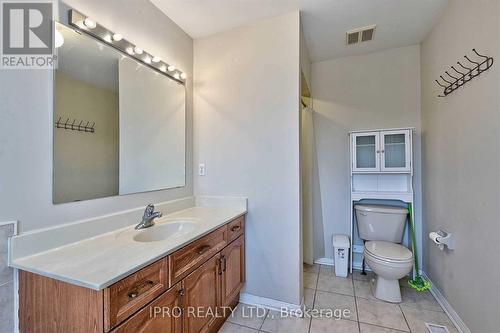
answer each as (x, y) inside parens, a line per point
(201, 169)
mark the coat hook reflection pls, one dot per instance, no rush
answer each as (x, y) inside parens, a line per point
(71, 125)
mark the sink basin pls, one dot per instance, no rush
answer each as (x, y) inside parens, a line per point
(160, 232)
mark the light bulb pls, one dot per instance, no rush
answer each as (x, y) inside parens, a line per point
(138, 50)
(177, 76)
(163, 68)
(130, 50)
(117, 37)
(107, 38)
(156, 59)
(147, 60)
(89, 23)
(183, 76)
(171, 68)
(59, 39)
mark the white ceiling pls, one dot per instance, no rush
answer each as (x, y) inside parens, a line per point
(399, 22)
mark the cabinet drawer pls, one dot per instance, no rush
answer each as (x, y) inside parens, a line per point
(185, 260)
(235, 228)
(161, 316)
(129, 295)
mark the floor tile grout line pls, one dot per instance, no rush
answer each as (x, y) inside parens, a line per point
(389, 328)
(356, 304)
(314, 298)
(406, 321)
(241, 325)
(386, 327)
(265, 317)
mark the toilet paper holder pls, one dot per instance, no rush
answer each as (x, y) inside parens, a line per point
(443, 239)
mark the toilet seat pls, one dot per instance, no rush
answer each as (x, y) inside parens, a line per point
(387, 252)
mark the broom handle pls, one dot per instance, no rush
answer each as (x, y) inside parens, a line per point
(413, 240)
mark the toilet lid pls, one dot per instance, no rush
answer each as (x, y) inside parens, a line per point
(388, 251)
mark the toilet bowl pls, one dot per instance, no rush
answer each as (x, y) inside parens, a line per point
(390, 262)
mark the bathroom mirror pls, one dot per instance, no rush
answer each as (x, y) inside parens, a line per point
(119, 126)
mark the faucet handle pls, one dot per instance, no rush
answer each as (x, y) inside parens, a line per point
(149, 210)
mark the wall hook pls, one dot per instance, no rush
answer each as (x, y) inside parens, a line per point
(474, 71)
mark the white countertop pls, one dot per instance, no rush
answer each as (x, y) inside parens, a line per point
(100, 261)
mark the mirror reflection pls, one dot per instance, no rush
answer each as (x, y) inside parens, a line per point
(119, 126)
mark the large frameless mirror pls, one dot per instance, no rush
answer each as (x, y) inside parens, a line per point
(119, 126)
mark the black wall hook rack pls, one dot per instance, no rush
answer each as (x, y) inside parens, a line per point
(463, 74)
(74, 126)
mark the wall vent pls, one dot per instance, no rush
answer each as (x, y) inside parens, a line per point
(359, 35)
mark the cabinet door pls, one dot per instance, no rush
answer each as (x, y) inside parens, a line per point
(162, 316)
(365, 152)
(395, 151)
(233, 270)
(201, 298)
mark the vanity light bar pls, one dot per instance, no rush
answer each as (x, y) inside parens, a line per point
(89, 26)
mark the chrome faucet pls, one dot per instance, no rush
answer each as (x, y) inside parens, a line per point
(148, 217)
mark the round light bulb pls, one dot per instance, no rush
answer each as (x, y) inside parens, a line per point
(138, 50)
(117, 37)
(107, 38)
(147, 59)
(156, 59)
(171, 68)
(58, 39)
(177, 76)
(183, 76)
(163, 68)
(130, 50)
(89, 23)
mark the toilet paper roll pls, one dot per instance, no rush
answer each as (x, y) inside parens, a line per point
(435, 238)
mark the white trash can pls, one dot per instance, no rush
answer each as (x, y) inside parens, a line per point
(341, 246)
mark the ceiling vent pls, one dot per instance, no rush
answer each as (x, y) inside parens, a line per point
(359, 35)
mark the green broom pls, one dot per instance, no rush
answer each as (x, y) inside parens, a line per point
(418, 282)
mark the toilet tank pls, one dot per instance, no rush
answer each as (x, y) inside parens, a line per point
(384, 223)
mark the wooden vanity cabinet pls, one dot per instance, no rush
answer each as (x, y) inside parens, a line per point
(188, 291)
(202, 297)
(233, 270)
(161, 316)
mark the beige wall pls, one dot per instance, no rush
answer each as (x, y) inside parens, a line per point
(26, 121)
(247, 132)
(372, 91)
(85, 164)
(461, 163)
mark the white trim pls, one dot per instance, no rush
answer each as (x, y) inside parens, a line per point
(324, 261)
(382, 129)
(357, 265)
(15, 282)
(269, 303)
(452, 314)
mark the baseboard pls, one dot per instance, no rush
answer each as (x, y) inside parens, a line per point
(330, 262)
(269, 303)
(324, 261)
(452, 314)
(15, 279)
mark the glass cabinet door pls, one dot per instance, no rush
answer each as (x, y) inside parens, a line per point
(395, 150)
(365, 152)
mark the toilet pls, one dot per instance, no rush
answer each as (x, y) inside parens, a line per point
(382, 228)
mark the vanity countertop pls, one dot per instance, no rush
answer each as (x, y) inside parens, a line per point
(100, 261)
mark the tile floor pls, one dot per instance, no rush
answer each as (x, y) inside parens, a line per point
(361, 312)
